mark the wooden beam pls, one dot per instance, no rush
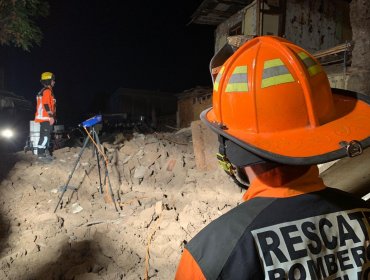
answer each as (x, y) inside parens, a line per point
(335, 50)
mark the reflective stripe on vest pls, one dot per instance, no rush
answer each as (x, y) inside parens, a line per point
(238, 81)
(275, 73)
(312, 67)
(40, 110)
(218, 78)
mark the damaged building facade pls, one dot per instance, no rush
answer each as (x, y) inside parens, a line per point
(314, 25)
(328, 29)
(190, 103)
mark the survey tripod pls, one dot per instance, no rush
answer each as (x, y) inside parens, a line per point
(91, 135)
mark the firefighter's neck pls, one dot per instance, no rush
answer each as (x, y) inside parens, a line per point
(272, 180)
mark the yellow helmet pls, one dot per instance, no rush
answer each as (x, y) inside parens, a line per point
(47, 76)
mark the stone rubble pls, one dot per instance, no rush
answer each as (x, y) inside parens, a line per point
(160, 197)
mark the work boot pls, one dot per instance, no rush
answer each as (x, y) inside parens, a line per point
(45, 158)
(48, 154)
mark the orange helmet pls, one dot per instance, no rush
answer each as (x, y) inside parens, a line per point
(272, 99)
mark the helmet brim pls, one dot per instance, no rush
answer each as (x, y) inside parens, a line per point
(308, 145)
(240, 156)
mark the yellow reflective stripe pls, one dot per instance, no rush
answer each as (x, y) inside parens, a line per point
(237, 87)
(303, 55)
(275, 73)
(315, 69)
(218, 78)
(222, 70)
(215, 86)
(240, 70)
(238, 81)
(272, 63)
(281, 79)
(310, 64)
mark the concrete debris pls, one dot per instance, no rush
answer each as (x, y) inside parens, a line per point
(119, 138)
(155, 185)
(158, 208)
(185, 130)
(159, 193)
(139, 136)
(139, 172)
(170, 165)
(75, 208)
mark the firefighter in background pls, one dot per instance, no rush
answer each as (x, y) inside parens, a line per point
(45, 114)
(276, 118)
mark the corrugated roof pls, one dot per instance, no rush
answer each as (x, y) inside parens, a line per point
(10, 100)
(213, 12)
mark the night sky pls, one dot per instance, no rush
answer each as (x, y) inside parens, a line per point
(95, 47)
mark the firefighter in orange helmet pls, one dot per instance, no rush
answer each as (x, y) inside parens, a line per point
(45, 115)
(276, 118)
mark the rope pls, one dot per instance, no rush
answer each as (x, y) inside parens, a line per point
(96, 145)
(150, 236)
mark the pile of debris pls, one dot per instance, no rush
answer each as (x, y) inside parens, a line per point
(162, 202)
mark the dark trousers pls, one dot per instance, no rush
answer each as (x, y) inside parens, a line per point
(44, 141)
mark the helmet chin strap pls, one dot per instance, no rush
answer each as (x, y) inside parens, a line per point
(228, 167)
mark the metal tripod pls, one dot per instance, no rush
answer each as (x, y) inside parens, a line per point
(93, 135)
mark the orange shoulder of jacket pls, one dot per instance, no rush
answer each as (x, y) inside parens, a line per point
(188, 268)
(46, 93)
(48, 90)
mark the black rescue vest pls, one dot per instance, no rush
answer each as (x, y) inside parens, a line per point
(319, 235)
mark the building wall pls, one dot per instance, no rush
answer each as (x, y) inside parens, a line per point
(200, 105)
(245, 16)
(250, 27)
(185, 111)
(312, 24)
(189, 108)
(317, 24)
(338, 80)
(136, 103)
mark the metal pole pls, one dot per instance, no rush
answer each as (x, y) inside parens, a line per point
(95, 135)
(111, 190)
(73, 170)
(107, 176)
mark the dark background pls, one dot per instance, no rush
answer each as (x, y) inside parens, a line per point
(95, 47)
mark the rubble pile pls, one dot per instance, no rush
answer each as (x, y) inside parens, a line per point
(161, 198)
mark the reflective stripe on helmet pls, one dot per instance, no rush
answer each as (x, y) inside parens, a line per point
(275, 72)
(238, 81)
(312, 67)
(218, 78)
(315, 69)
(299, 122)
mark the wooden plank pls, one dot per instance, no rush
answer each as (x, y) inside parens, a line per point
(335, 50)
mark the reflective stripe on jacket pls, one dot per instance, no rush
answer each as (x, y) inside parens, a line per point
(45, 105)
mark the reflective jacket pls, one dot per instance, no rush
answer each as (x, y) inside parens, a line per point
(45, 105)
(302, 230)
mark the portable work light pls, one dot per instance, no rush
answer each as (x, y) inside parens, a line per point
(7, 133)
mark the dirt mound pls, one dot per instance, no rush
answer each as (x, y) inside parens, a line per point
(162, 202)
